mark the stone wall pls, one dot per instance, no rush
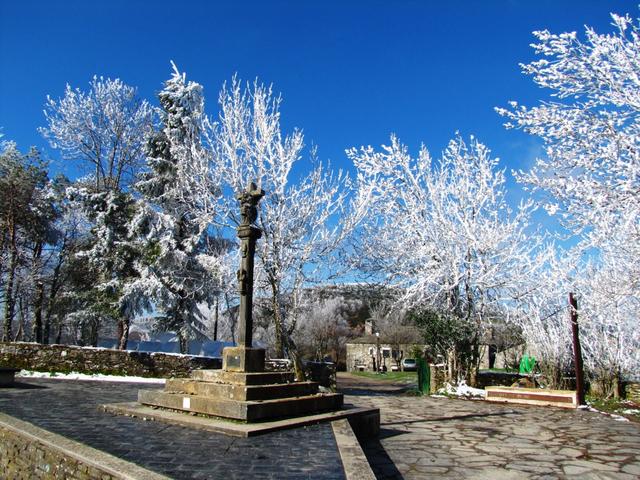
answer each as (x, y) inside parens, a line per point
(21, 458)
(632, 391)
(66, 358)
(28, 452)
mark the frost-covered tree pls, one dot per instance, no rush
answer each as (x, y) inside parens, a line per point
(109, 255)
(299, 219)
(445, 235)
(67, 234)
(181, 268)
(590, 130)
(106, 127)
(590, 177)
(25, 216)
(324, 325)
(542, 317)
(608, 319)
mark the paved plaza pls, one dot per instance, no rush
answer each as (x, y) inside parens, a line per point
(445, 438)
(421, 437)
(70, 408)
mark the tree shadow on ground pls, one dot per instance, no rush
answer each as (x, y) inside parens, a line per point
(381, 464)
(21, 386)
(368, 392)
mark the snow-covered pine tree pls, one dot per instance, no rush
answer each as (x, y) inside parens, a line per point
(105, 127)
(178, 273)
(110, 255)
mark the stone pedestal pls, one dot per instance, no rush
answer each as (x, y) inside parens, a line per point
(243, 391)
(243, 359)
(242, 395)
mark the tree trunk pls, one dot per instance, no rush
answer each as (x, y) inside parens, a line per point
(232, 321)
(297, 361)
(277, 320)
(53, 292)
(9, 305)
(215, 321)
(58, 331)
(36, 331)
(123, 333)
(37, 313)
(20, 333)
(183, 342)
(94, 326)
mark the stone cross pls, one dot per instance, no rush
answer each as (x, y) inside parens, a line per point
(248, 234)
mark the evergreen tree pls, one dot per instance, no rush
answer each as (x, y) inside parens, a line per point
(176, 271)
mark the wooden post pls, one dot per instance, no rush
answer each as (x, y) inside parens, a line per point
(577, 350)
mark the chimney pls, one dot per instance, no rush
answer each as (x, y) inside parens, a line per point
(368, 327)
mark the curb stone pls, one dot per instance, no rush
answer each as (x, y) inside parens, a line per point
(354, 462)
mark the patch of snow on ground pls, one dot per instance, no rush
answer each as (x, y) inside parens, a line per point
(618, 418)
(462, 390)
(630, 411)
(83, 376)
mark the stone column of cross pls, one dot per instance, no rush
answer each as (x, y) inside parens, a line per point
(248, 234)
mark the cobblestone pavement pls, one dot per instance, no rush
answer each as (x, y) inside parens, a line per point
(425, 437)
(69, 408)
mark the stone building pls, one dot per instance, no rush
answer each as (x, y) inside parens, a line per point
(362, 353)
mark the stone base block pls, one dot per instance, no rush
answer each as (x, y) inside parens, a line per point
(229, 391)
(242, 359)
(248, 411)
(357, 417)
(242, 378)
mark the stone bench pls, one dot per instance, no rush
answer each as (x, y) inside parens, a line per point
(7, 376)
(533, 396)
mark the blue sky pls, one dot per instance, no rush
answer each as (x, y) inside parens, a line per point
(350, 72)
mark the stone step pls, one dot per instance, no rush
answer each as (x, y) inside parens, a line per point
(533, 396)
(249, 411)
(243, 378)
(230, 391)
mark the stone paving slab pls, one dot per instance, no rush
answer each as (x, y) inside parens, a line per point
(70, 409)
(424, 437)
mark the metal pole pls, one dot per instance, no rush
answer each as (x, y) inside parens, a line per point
(378, 352)
(577, 350)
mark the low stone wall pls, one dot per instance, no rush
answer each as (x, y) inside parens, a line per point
(28, 452)
(21, 458)
(66, 358)
(632, 391)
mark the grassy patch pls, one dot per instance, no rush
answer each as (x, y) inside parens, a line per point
(626, 408)
(406, 377)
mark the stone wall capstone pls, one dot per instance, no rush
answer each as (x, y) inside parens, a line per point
(67, 358)
(23, 459)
